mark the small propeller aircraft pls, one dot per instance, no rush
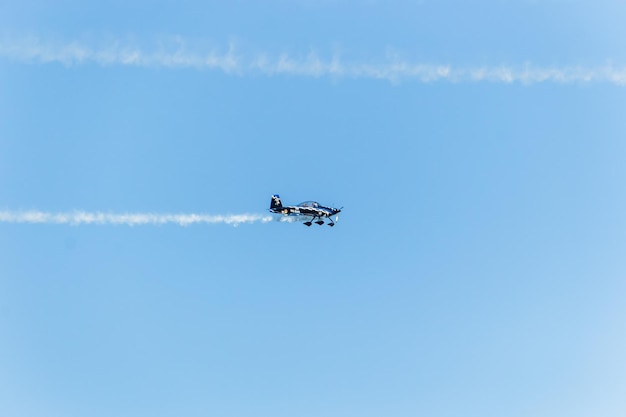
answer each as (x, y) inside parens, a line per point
(308, 210)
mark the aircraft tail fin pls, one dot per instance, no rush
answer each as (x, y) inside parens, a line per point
(276, 204)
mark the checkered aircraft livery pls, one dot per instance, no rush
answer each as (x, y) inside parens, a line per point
(308, 211)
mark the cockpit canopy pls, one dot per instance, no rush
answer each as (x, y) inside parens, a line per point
(313, 204)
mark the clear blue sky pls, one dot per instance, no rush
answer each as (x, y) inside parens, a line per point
(478, 268)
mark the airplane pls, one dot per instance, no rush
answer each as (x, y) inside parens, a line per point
(304, 210)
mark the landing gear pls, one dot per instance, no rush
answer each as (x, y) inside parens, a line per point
(319, 221)
(310, 222)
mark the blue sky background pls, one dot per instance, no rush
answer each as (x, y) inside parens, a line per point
(477, 269)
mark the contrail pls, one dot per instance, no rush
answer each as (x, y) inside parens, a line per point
(76, 218)
(232, 61)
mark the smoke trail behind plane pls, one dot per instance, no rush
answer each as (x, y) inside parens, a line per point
(230, 60)
(76, 218)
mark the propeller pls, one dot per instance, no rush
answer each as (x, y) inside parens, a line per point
(337, 218)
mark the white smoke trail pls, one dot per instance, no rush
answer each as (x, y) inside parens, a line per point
(231, 61)
(130, 219)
